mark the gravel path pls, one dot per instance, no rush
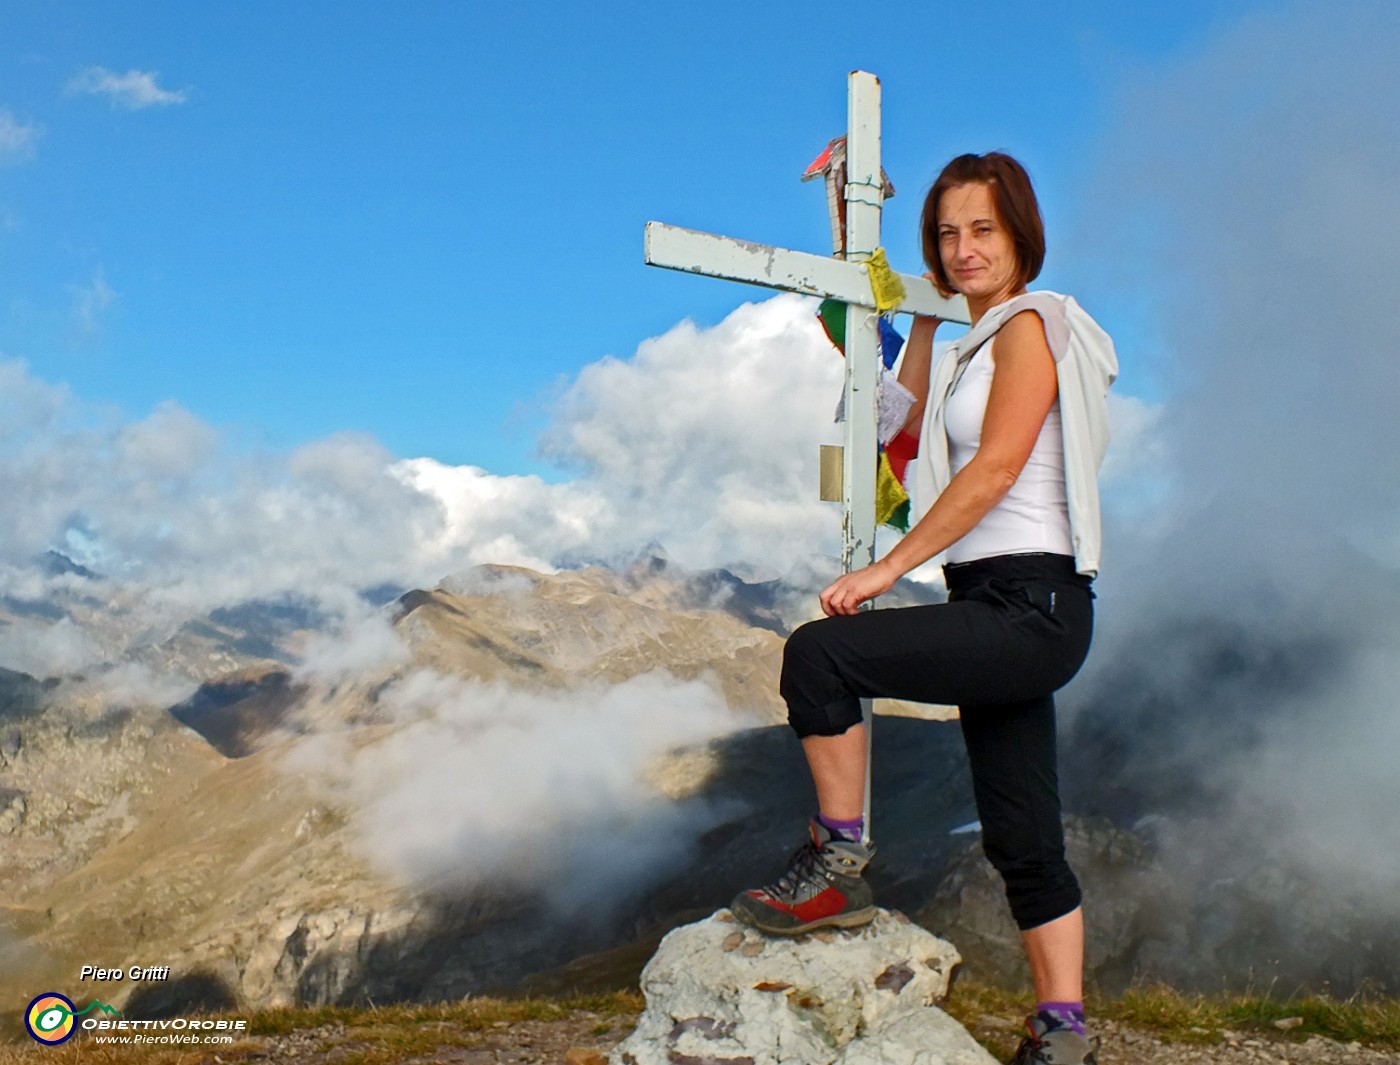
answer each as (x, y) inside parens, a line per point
(1121, 1044)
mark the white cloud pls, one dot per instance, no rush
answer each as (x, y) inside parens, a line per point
(1250, 189)
(128, 684)
(361, 647)
(171, 442)
(29, 407)
(46, 650)
(1137, 472)
(486, 784)
(159, 504)
(134, 90)
(17, 140)
(707, 439)
(517, 521)
(1261, 170)
(704, 442)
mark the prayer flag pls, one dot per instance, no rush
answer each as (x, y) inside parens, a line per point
(901, 450)
(891, 500)
(832, 315)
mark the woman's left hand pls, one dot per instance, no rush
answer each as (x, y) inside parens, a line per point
(846, 595)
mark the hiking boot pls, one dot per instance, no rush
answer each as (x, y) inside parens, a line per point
(1054, 1046)
(821, 887)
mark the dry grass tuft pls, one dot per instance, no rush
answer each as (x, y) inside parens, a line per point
(1372, 1020)
(1179, 1017)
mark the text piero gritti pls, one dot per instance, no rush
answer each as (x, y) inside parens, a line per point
(134, 972)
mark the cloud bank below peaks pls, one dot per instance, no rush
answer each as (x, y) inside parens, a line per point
(554, 789)
(705, 441)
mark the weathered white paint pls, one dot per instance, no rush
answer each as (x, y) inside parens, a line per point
(863, 202)
(864, 198)
(694, 252)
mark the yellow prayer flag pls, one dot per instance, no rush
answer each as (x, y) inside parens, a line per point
(885, 284)
(890, 496)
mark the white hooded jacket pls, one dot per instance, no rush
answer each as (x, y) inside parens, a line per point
(1085, 364)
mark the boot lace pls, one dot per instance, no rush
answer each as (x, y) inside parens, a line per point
(805, 868)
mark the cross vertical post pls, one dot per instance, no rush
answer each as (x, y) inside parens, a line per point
(863, 204)
(864, 199)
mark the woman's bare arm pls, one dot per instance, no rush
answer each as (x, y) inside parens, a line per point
(1024, 387)
(914, 370)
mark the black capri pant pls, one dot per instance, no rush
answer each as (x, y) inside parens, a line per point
(1014, 630)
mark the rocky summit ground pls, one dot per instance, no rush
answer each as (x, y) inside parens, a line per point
(583, 1031)
(585, 1039)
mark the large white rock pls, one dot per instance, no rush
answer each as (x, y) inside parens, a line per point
(719, 993)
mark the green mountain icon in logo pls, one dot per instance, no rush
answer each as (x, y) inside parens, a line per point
(95, 1004)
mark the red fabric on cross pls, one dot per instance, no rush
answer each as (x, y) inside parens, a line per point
(901, 451)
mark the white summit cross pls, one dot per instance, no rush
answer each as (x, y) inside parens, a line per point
(847, 280)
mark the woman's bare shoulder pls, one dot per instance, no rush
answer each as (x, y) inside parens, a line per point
(1022, 334)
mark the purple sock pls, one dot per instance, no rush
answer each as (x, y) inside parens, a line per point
(850, 831)
(1063, 1015)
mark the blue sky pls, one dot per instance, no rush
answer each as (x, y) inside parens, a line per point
(421, 220)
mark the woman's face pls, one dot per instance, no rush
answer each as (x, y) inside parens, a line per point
(978, 253)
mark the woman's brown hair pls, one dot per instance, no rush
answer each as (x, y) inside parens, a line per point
(1016, 207)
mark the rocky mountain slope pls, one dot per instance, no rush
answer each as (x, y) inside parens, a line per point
(513, 796)
(188, 835)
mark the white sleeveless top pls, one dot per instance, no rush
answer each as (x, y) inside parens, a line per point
(1034, 514)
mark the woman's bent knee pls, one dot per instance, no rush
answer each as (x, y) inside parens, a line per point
(819, 701)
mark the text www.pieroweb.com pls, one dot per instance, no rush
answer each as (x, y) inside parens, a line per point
(179, 1031)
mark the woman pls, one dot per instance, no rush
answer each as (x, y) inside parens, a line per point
(1012, 426)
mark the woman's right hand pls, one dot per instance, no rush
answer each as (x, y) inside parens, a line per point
(930, 321)
(845, 595)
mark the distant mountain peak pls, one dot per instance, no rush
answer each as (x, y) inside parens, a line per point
(57, 564)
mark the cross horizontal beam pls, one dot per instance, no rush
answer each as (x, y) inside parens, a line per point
(694, 252)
